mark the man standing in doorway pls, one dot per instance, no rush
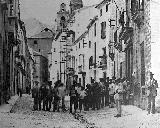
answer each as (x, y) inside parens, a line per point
(152, 93)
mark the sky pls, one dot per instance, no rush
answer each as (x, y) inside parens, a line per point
(45, 11)
(155, 32)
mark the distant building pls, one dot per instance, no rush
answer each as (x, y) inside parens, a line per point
(41, 68)
(41, 42)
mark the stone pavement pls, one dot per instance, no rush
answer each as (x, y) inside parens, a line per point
(6, 108)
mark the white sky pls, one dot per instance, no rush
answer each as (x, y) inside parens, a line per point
(45, 11)
(155, 31)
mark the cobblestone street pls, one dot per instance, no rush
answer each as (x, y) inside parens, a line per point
(22, 116)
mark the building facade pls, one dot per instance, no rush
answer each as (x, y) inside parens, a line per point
(13, 51)
(112, 41)
(40, 73)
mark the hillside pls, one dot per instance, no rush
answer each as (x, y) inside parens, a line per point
(34, 26)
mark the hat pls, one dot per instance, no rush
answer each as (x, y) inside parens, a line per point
(101, 79)
(36, 82)
(151, 74)
(113, 77)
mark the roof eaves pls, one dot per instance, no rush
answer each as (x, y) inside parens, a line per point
(102, 3)
(92, 22)
(57, 36)
(84, 34)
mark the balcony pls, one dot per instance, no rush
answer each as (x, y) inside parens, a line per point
(111, 50)
(80, 70)
(17, 54)
(138, 17)
(3, 4)
(19, 67)
(70, 71)
(11, 39)
(103, 63)
(11, 11)
(137, 12)
(125, 33)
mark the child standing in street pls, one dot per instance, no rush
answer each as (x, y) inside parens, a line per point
(81, 98)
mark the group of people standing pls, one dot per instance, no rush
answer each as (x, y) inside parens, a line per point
(94, 96)
(97, 95)
(45, 95)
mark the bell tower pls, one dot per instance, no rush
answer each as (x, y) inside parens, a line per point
(62, 17)
(75, 4)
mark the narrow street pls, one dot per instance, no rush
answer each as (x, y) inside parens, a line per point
(22, 116)
(83, 55)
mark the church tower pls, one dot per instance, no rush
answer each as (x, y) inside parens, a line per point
(62, 17)
(75, 4)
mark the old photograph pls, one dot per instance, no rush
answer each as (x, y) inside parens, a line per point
(79, 64)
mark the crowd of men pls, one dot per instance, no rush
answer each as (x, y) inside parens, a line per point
(94, 96)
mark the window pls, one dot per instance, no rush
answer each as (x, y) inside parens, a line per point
(95, 29)
(54, 49)
(79, 80)
(83, 62)
(121, 70)
(107, 8)
(141, 4)
(101, 12)
(35, 42)
(10, 22)
(39, 50)
(103, 30)
(89, 44)
(90, 62)
(83, 43)
(115, 36)
(11, 1)
(79, 45)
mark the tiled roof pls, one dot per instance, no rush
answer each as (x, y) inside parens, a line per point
(42, 35)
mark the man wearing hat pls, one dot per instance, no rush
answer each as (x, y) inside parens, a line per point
(35, 95)
(103, 90)
(118, 97)
(107, 92)
(151, 94)
(111, 93)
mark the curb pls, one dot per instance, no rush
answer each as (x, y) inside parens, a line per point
(6, 108)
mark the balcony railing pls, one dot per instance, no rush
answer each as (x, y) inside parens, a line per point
(111, 50)
(125, 33)
(70, 71)
(103, 63)
(80, 70)
(137, 12)
(11, 11)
